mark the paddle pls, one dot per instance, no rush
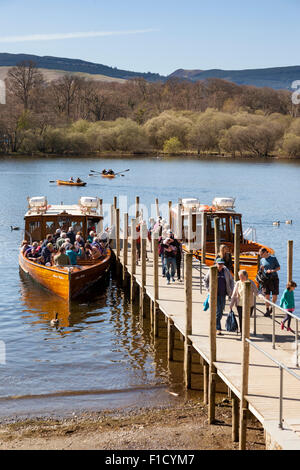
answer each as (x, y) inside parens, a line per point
(51, 181)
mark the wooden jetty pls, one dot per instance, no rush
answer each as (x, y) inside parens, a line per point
(257, 371)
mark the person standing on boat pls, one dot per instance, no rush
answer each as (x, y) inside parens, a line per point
(71, 235)
(225, 287)
(270, 266)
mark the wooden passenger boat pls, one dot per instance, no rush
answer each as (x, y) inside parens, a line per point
(70, 183)
(41, 219)
(228, 217)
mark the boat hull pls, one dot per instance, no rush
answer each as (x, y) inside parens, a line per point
(108, 176)
(66, 282)
(68, 183)
(248, 256)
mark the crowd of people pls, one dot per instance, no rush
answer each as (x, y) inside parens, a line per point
(66, 248)
(268, 281)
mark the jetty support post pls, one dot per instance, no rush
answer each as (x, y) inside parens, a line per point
(154, 317)
(235, 418)
(118, 266)
(290, 247)
(171, 339)
(101, 215)
(143, 234)
(137, 207)
(217, 235)
(245, 365)
(125, 246)
(170, 214)
(237, 249)
(157, 207)
(133, 259)
(188, 318)
(213, 291)
(203, 237)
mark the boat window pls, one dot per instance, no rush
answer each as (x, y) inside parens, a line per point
(223, 229)
(50, 226)
(64, 224)
(35, 230)
(77, 226)
(92, 224)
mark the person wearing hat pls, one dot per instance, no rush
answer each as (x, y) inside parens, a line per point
(225, 287)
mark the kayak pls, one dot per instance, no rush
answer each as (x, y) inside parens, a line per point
(69, 183)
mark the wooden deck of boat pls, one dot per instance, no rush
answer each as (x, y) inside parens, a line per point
(264, 376)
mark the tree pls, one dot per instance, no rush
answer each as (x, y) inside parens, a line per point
(23, 79)
(172, 145)
(64, 91)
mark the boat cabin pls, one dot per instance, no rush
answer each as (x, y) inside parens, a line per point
(223, 208)
(42, 219)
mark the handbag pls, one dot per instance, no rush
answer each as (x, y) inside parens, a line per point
(231, 323)
(206, 304)
(262, 277)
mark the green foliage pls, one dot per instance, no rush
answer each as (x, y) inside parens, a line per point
(172, 145)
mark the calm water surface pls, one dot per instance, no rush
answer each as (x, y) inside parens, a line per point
(101, 357)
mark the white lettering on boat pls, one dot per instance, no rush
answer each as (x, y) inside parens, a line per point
(58, 277)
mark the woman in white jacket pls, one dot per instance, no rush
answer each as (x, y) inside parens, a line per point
(238, 294)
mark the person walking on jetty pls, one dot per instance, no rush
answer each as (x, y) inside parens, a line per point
(178, 245)
(287, 302)
(225, 287)
(269, 266)
(238, 296)
(169, 259)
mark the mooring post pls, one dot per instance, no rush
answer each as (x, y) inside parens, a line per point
(188, 318)
(133, 259)
(143, 234)
(235, 418)
(170, 214)
(237, 248)
(137, 207)
(155, 284)
(205, 382)
(125, 246)
(118, 233)
(217, 235)
(290, 260)
(157, 207)
(203, 237)
(213, 291)
(101, 215)
(171, 339)
(245, 365)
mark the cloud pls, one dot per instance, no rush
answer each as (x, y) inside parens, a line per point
(57, 36)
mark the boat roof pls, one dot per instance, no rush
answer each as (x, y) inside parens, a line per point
(63, 209)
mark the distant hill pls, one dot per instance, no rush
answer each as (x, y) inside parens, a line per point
(74, 65)
(277, 77)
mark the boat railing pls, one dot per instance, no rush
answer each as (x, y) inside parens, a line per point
(282, 367)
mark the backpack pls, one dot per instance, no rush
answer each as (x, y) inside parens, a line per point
(231, 323)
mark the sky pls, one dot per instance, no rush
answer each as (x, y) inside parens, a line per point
(156, 36)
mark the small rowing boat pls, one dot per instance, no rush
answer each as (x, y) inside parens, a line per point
(70, 183)
(41, 219)
(107, 176)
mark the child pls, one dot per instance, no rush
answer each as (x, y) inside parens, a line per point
(287, 302)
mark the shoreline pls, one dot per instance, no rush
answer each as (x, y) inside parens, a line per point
(150, 154)
(182, 426)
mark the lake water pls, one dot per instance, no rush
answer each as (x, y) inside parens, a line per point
(101, 357)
